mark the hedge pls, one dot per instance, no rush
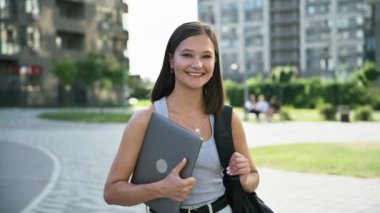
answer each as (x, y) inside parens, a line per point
(307, 93)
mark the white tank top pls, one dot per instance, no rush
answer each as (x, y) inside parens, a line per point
(208, 169)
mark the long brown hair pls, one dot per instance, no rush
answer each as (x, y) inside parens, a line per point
(213, 90)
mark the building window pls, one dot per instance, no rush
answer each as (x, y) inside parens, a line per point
(317, 31)
(58, 42)
(69, 41)
(253, 36)
(70, 9)
(207, 13)
(4, 9)
(359, 34)
(253, 10)
(8, 40)
(33, 39)
(107, 17)
(347, 6)
(310, 10)
(32, 7)
(230, 13)
(342, 23)
(227, 60)
(254, 62)
(118, 46)
(317, 8)
(229, 38)
(317, 60)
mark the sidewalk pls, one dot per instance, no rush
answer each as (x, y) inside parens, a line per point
(85, 152)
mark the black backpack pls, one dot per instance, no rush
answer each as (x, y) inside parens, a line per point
(239, 200)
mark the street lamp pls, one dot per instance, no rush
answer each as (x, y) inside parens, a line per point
(235, 67)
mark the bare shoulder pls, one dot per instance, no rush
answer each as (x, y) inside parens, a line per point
(140, 118)
(235, 119)
(238, 133)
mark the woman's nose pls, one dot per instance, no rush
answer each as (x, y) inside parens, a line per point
(197, 63)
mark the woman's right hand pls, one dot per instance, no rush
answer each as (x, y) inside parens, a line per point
(176, 188)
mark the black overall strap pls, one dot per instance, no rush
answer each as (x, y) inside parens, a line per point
(223, 135)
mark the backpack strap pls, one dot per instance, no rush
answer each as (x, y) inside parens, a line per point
(223, 135)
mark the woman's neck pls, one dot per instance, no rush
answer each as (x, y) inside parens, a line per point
(189, 102)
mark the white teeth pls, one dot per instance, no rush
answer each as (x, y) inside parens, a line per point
(195, 73)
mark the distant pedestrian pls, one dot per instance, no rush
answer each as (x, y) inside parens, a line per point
(274, 107)
(250, 106)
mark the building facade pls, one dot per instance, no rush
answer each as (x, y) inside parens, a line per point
(242, 28)
(35, 32)
(328, 38)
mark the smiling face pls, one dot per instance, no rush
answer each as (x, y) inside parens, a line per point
(193, 61)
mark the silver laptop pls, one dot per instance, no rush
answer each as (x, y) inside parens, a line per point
(165, 145)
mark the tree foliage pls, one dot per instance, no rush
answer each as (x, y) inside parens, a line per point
(89, 70)
(283, 74)
(64, 70)
(368, 74)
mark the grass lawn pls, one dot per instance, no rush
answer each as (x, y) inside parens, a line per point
(353, 159)
(87, 117)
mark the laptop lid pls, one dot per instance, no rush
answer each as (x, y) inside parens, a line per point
(165, 144)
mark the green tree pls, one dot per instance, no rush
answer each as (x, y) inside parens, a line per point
(90, 69)
(282, 75)
(115, 73)
(368, 74)
(64, 70)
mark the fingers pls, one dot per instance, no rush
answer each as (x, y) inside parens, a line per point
(178, 189)
(184, 193)
(238, 165)
(182, 190)
(179, 166)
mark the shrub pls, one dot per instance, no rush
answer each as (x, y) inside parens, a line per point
(364, 113)
(235, 93)
(328, 111)
(285, 113)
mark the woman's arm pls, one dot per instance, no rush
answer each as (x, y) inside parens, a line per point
(241, 162)
(118, 190)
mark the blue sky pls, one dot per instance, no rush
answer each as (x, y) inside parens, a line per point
(150, 24)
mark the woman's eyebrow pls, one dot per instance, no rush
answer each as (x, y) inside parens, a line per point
(190, 50)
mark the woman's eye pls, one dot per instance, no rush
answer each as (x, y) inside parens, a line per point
(186, 55)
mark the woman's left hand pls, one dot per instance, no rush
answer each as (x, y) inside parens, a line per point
(238, 165)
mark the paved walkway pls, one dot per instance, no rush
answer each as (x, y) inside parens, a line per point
(22, 167)
(82, 153)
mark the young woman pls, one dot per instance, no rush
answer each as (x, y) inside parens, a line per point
(189, 91)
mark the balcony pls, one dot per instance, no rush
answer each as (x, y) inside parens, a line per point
(285, 20)
(67, 24)
(285, 58)
(284, 6)
(70, 9)
(285, 33)
(285, 46)
(70, 41)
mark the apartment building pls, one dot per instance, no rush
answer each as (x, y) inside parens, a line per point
(327, 38)
(34, 32)
(334, 36)
(242, 29)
